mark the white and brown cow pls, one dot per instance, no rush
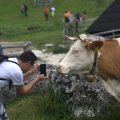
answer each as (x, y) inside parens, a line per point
(80, 59)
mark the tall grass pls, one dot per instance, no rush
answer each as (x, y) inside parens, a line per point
(40, 106)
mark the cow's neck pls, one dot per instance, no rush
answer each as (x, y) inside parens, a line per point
(108, 64)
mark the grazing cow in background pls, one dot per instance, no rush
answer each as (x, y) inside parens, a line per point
(100, 57)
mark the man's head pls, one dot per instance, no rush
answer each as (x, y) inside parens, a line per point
(26, 60)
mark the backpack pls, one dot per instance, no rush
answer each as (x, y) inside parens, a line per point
(5, 58)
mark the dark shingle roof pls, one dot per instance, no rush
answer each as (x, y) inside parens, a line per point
(108, 20)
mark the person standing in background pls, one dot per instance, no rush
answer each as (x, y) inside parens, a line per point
(84, 16)
(52, 10)
(78, 16)
(66, 17)
(71, 17)
(45, 10)
(25, 8)
(71, 20)
(22, 10)
(68, 12)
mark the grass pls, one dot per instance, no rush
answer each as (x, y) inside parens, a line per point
(50, 106)
(14, 28)
(40, 106)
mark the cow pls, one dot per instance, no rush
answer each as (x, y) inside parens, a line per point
(99, 57)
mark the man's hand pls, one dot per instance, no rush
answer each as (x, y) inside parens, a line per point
(35, 67)
(41, 77)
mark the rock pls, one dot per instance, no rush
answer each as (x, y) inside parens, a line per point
(86, 98)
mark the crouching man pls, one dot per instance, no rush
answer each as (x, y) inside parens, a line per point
(15, 71)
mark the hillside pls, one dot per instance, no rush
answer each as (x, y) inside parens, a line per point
(14, 27)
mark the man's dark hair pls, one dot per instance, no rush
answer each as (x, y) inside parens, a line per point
(28, 56)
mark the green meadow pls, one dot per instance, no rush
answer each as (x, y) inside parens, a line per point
(14, 27)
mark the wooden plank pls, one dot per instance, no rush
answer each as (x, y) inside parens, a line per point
(14, 50)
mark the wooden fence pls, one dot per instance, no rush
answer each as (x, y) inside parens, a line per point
(14, 49)
(71, 30)
(110, 33)
(38, 3)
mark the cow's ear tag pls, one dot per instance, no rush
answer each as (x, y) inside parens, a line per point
(96, 49)
(96, 45)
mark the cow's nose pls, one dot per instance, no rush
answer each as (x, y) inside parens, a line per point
(59, 68)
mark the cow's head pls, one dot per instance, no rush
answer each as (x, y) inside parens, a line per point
(80, 57)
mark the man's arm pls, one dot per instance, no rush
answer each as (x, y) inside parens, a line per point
(23, 89)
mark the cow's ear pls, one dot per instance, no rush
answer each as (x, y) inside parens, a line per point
(96, 45)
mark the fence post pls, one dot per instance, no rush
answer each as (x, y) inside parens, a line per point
(76, 25)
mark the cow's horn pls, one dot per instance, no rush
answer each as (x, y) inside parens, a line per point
(82, 37)
(78, 36)
(90, 77)
(71, 38)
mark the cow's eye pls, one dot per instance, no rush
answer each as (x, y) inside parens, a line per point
(76, 51)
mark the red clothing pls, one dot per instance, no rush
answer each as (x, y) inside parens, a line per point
(68, 12)
(45, 10)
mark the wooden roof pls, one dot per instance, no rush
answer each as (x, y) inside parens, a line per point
(108, 20)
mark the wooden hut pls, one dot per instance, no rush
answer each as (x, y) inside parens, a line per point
(108, 23)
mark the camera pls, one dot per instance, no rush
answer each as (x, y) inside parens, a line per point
(43, 69)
